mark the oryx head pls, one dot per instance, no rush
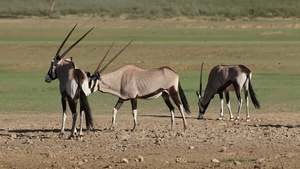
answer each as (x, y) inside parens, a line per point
(94, 84)
(202, 108)
(52, 75)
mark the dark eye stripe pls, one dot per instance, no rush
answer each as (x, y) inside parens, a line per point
(50, 72)
(94, 85)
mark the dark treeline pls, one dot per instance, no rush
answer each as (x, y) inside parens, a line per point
(152, 9)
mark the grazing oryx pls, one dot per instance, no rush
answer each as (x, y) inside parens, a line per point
(224, 78)
(73, 86)
(131, 82)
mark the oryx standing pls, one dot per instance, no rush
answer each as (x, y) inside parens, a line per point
(131, 83)
(225, 78)
(73, 86)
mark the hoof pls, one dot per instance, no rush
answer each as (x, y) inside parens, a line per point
(248, 119)
(71, 137)
(112, 127)
(134, 130)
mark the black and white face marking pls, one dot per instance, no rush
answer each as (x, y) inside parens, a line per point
(51, 75)
(93, 83)
(201, 108)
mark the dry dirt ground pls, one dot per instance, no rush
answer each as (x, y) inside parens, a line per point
(267, 141)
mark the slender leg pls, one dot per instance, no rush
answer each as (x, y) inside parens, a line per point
(240, 100)
(81, 121)
(174, 96)
(239, 109)
(73, 130)
(221, 106)
(183, 117)
(228, 105)
(64, 116)
(115, 110)
(73, 104)
(166, 98)
(247, 105)
(134, 112)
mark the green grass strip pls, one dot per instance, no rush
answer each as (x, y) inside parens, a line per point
(240, 160)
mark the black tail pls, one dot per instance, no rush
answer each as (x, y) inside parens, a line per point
(253, 96)
(183, 99)
(84, 106)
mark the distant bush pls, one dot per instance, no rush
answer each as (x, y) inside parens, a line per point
(152, 9)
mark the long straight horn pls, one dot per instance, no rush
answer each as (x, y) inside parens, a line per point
(115, 57)
(103, 59)
(76, 43)
(200, 88)
(57, 57)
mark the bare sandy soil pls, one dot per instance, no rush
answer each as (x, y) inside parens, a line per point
(267, 141)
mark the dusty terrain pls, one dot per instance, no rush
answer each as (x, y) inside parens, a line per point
(268, 141)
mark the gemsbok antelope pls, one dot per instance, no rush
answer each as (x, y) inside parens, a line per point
(225, 78)
(131, 83)
(73, 86)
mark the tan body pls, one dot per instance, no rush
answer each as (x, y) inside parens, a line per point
(225, 78)
(131, 82)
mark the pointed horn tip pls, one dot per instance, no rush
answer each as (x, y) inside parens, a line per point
(92, 28)
(115, 57)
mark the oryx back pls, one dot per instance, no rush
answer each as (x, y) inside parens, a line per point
(221, 78)
(131, 81)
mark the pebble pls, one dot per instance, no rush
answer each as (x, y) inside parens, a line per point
(223, 149)
(191, 147)
(180, 160)
(13, 136)
(260, 159)
(139, 159)
(215, 160)
(237, 163)
(80, 162)
(124, 160)
(51, 155)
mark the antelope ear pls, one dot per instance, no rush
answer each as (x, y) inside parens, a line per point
(88, 74)
(69, 59)
(198, 95)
